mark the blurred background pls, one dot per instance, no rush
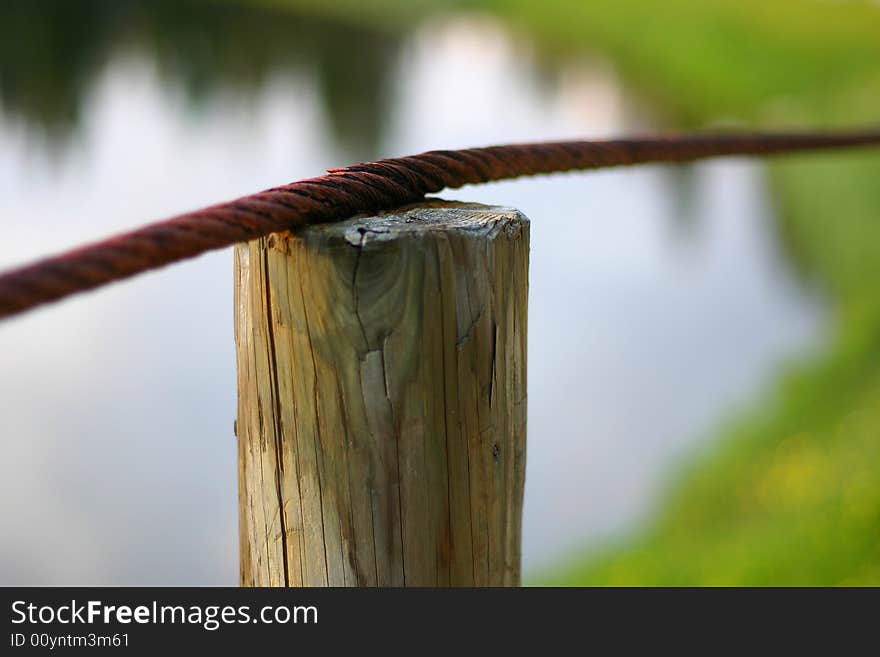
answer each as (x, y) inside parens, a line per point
(704, 341)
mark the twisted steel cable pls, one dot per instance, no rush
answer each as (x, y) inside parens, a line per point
(368, 187)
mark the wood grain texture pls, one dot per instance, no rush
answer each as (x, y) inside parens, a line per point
(382, 399)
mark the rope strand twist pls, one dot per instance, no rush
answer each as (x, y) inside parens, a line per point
(368, 187)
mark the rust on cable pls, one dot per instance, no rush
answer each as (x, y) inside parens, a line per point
(368, 187)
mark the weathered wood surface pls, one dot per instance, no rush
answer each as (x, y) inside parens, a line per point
(382, 400)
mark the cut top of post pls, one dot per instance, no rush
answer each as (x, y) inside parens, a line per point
(418, 220)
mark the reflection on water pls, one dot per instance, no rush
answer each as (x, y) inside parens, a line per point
(659, 299)
(51, 51)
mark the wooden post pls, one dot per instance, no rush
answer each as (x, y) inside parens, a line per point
(382, 400)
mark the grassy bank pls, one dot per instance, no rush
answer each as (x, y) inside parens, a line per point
(792, 494)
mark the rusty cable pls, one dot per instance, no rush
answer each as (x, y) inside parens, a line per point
(368, 187)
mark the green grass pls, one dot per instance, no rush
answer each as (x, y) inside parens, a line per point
(792, 494)
(710, 59)
(790, 497)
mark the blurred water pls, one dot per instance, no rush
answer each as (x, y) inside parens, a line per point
(660, 298)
